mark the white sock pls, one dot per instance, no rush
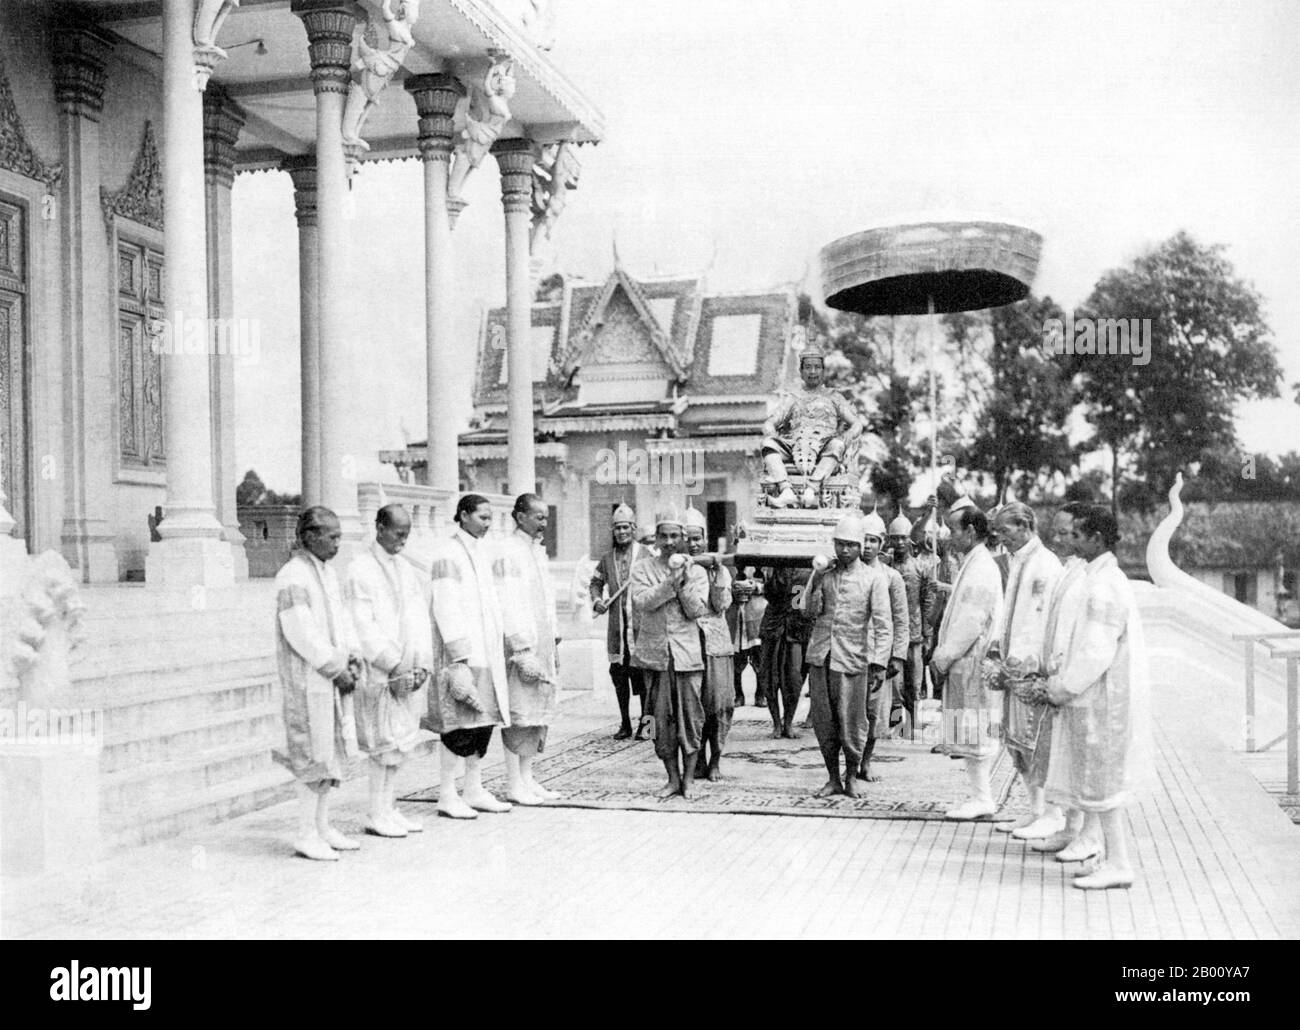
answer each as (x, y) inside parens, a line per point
(306, 812)
(377, 771)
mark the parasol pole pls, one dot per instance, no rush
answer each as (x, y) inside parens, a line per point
(934, 398)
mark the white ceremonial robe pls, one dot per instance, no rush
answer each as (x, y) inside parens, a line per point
(1106, 724)
(1055, 773)
(1031, 577)
(970, 623)
(525, 582)
(470, 623)
(391, 615)
(314, 636)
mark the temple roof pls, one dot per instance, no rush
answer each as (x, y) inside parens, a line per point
(664, 333)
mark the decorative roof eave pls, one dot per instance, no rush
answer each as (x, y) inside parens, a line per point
(407, 456)
(16, 153)
(701, 400)
(503, 36)
(141, 199)
(607, 424)
(719, 444)
(546, 450)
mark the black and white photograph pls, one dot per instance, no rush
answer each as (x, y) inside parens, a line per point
(595, 469)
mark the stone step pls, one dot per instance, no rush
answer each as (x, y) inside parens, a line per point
(196, 734)
(140, 656)
(164, 785)
(164, 684)
(175, 815)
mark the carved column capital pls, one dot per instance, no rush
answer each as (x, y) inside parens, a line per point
(330, 25)
(436, 97)
(515, 158)
(222, 121)
(80, 53)
(302, 170)
(208, 16)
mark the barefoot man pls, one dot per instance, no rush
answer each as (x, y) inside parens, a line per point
(610, 593)
(847, 655)
(718, 692)
(319, 660)
(391, 613)
(1102, 692)
(669, 593)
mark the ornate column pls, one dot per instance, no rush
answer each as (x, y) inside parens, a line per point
(222, 121)
(436, 97)
(515, 158)
(302, 170)
(330, 25)
(191, 552)
(89, 394)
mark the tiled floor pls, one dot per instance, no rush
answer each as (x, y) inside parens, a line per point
(1216, 858)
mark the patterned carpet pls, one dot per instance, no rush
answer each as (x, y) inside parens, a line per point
(761, 776)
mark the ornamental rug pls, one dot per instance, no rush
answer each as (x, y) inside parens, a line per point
(761, 776)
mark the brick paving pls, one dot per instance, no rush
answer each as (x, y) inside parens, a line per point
(1216, 858)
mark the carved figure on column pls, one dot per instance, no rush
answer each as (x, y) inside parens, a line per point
(555, 175)
(208, 16)
(488, 112)
(372, 70)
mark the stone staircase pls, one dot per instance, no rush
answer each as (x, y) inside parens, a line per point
(191, 708)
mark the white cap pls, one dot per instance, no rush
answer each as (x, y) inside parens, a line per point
(900, 526)
(873, 525)
(851, 527)
(693, 518)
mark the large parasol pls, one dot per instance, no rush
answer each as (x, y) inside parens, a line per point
(929, 268)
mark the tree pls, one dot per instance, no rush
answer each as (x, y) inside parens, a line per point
(1022, 427)
(252, 493)
(1210, 350)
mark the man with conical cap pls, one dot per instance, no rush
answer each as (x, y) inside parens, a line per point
(610, 592)
(848, 653)
(812, 428)
(669, 594)
(718, 692)
(878, 712)
(922, 592)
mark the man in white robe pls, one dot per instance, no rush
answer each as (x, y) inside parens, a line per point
(319, 661)
(1070, 843)
(473, 637)
(391, 613)
(525, 581)
(970, 622)
(1032, 573)
(1102, 690)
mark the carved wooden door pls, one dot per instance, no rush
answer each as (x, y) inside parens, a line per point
(14, 464)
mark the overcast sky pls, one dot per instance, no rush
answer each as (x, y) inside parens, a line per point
(765, 128)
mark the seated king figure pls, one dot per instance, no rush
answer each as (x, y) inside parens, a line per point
(812, 428)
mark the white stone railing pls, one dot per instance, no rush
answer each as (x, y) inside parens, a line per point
(431, 512)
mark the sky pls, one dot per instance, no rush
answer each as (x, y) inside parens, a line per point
(743, 135)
